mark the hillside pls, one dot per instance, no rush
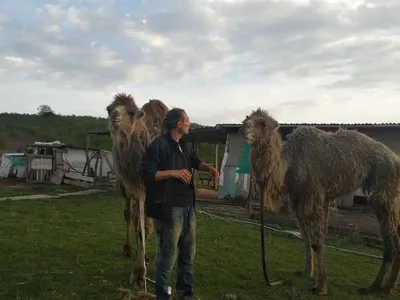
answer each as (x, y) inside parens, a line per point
(18, 130)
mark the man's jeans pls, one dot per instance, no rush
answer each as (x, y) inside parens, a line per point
(176, 239)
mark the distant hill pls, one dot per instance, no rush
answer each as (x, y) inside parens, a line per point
(18, 130)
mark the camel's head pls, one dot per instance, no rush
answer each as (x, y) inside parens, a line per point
(123, 113)
(258, 125)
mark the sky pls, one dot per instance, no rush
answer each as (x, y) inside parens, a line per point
(305, 61)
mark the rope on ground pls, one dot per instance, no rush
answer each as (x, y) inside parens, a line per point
(283, 232)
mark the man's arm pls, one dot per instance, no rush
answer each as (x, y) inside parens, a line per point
(161, 175)
(150, 163)
(198, 164)
(205, 167)
(195, 161)
(201, 166)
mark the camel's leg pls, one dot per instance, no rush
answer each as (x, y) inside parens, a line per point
(394, 274)
(149, 230)
(309, 262)
(384, 217)
(394, 231)
(315, 227)
(127, 250)
(138, 274)
(386, 260)
(326, 218)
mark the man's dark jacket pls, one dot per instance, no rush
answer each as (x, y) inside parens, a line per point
(160, 156)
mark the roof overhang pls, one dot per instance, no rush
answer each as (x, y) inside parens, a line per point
(217, 134)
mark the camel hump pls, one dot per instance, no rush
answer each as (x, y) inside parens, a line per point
(155, 109)
(398, 165)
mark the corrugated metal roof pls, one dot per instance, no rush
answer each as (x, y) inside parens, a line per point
(234, 125)
(238, 125)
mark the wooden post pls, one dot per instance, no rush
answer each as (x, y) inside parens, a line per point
(96, 169)
(101, 168)
(249, 208)
(216, 184)
(195, 172)
(87, 164)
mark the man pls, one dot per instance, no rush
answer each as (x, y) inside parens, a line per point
(166, 170)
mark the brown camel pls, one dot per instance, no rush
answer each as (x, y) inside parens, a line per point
(132, 130)
(314, 168)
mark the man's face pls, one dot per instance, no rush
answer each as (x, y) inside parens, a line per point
(184, 125)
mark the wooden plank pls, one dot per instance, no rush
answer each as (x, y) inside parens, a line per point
(57, 177)
(77, 183)
(78, 176)
(44, 156)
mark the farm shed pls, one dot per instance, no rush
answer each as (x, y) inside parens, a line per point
(43, 159)
(51, 161)
(233, 184)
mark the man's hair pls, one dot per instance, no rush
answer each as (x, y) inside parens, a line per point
(172, 117)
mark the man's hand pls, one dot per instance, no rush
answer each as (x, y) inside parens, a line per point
(183, 175)
(208, 168)
(215, 174)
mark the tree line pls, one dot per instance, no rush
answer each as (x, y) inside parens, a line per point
(18, 130)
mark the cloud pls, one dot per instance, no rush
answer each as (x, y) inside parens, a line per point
(218, 59)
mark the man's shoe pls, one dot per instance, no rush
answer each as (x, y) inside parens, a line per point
(186, 296)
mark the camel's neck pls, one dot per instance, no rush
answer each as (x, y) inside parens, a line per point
(136, 140)
(267, 154)
(269, 168)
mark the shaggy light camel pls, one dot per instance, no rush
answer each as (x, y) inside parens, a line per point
(132, 130)
(313, 168)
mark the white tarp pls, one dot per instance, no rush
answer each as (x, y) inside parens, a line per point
(75, 160)
(13, 165)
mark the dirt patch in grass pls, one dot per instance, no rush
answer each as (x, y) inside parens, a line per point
(11, 188)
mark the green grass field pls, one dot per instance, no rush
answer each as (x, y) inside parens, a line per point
(70, 248)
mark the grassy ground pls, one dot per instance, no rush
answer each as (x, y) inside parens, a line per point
(70, 248)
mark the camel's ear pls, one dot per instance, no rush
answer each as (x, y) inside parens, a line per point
(274, 125)
(141, 114)
(271, 126)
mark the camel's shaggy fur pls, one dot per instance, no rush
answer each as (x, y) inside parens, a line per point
(132, 130)
(314, 168)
